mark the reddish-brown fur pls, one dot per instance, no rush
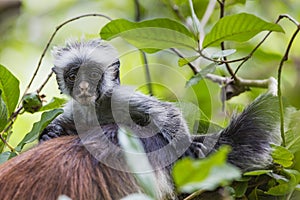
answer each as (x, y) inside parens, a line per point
(62, 166)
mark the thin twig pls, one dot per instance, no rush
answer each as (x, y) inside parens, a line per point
(137, 10)
(222, 13)
(257, 46)
(193, 68)
(52, 37)
(290, 18)
(284, 58)
(20, 107)
(147, 73)
(193, 195)
(44, 83)
(143, 54)
(223, 80)
(7, 144)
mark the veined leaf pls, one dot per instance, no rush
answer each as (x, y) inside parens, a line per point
(201, 75)
(207, 174)
(54, 103)
(9, 85)
(151, 35)
(186, 60)
(240, 28)
(282, 156)
(46, 118)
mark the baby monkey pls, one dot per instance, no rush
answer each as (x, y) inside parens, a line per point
(88, 71)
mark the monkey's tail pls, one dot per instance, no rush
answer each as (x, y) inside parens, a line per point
(249, 134)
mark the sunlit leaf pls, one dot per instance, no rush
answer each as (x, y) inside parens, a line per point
(54, 103)
(239, 27)
(186, 60)
(134, 153)
(207, 174)
(9, 85)
(282, 156)
(151, 35)
(201, 75)
(38, 127)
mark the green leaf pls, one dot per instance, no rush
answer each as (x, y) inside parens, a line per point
(285, 186)
(239, 27)
(54, 103)
(187, 60)
(207, 174)
(240, 189)
(151, 35)
(282, 156)
(201, 75)
(134, 153)
(137, 196)
(6, 156)
(293, 134)
(3, 113)
(257, 172)
(38, 127)
(9, 85)
(222, 54)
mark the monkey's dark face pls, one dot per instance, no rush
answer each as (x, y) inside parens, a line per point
(86, 82)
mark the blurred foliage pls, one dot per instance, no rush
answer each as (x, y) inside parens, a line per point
(26, 27)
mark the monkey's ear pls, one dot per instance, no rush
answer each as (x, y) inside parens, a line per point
(117, 63)
(55, 69)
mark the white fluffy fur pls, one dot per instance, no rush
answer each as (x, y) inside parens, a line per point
(92, 50)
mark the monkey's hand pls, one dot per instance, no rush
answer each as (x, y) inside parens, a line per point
(58, 128)
(51, 131)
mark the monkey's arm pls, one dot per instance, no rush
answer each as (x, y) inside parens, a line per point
(60, 126)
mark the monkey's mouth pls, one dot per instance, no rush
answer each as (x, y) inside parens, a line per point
(86, 99)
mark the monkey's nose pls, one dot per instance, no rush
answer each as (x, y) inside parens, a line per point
(84, 86)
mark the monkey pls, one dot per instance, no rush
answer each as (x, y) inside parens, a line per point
(249, 134)
(76, 142)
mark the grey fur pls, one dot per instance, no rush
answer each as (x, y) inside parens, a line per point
(157, 123)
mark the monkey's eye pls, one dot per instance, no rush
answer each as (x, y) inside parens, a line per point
(72, 77)
(94, 75)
